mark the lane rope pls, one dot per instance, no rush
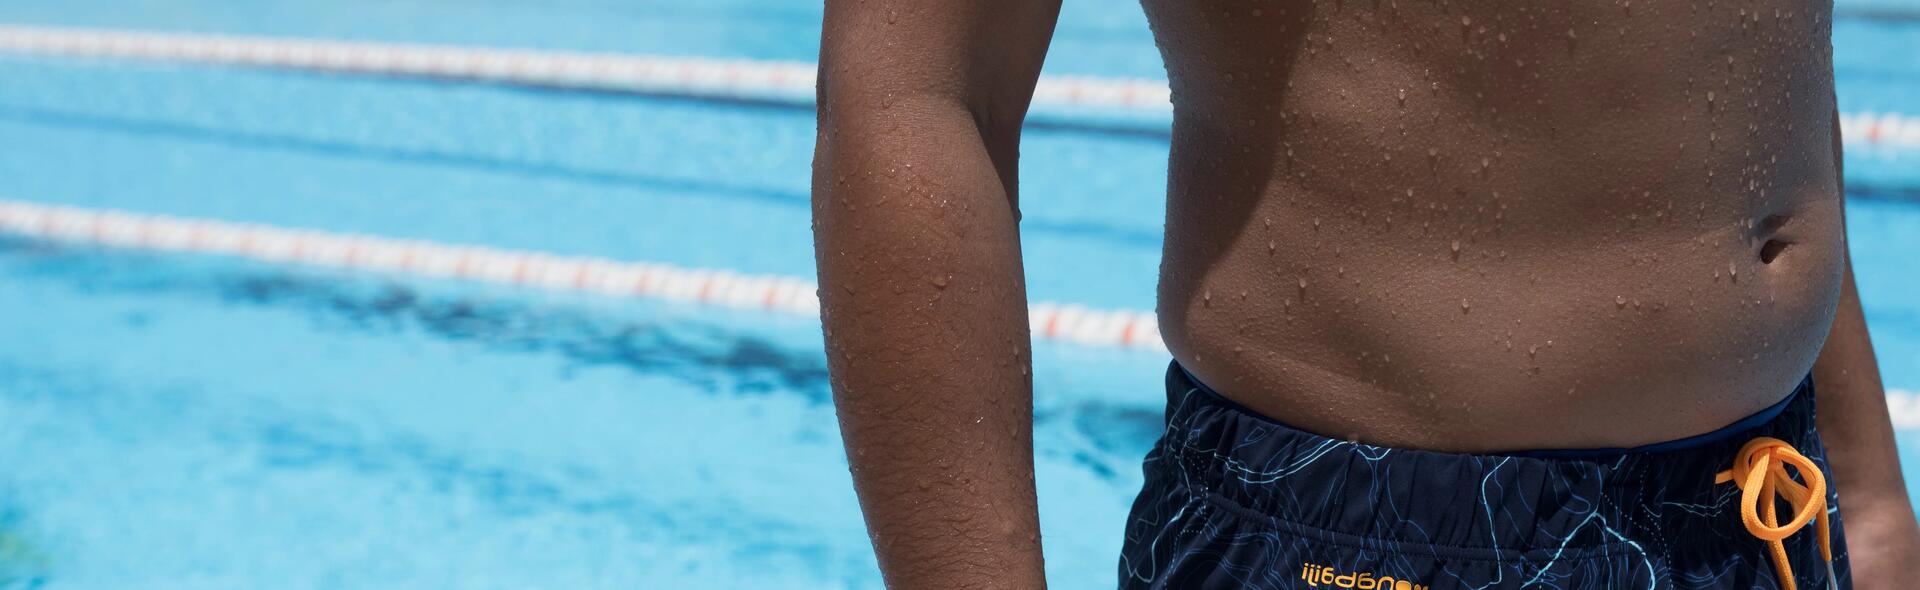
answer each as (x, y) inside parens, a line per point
(1062, 323)
(1050, 321)
(718, 78)
(1904, 407)
(729, 78)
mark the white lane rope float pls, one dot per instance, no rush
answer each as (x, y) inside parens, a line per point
(1064, 323)
(718, 78)
(727, 78)
(1904, 407)
(1880, 130)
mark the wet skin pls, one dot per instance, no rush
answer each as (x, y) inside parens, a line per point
(1482, 226)
(1489, 225)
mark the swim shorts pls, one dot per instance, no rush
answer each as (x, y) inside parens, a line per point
(1236, 500)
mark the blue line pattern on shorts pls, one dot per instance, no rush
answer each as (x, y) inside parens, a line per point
(1236, 500)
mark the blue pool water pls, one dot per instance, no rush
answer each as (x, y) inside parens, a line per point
(185, 421)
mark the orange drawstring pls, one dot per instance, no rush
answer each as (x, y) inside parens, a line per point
(1760, 471)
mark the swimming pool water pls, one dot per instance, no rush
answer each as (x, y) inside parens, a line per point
(195, 422)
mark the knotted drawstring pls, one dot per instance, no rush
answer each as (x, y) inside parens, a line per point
(1760, 471)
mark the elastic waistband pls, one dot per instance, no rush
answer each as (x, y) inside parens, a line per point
(1580, 500)
(1727, 432)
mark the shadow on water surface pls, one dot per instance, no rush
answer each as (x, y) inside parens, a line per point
(709, 356)
(22, 565)
(1103, 439)
(713, 357)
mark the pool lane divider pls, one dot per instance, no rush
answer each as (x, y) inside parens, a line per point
(702, 77)
(720, 288)
(718, 78)
(1055, 322)
(1904, 407)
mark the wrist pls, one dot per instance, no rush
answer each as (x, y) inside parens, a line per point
(1882, 537)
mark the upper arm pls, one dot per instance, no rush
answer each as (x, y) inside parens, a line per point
(888, 64)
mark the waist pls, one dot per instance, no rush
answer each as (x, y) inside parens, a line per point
(1482, 356)
(1269, 470)
(1733, 430)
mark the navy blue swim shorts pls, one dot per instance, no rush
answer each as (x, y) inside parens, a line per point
(1236, 500)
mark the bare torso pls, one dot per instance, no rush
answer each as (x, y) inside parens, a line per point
(1492, 225)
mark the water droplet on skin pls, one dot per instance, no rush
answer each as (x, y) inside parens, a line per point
(1206, 298)
(1403, 101)
(1620, 302)
(1733, 272)
(1533, 351)
(1465, 307)
(1456, 250)
(1303, 283)
(940, 281)
(1316, 223)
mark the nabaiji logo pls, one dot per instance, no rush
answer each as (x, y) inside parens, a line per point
(1317, 575)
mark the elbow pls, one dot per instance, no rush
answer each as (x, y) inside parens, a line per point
(846, 101)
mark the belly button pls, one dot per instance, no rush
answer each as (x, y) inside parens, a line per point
(1771, 250)
(1769, 226)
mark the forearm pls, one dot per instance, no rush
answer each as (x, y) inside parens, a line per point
(1853, 420)
(924, 307)
(1862, 457)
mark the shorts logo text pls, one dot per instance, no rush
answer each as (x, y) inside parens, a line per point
(1320, 575)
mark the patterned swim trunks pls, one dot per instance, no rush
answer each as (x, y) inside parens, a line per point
(1236, 500)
